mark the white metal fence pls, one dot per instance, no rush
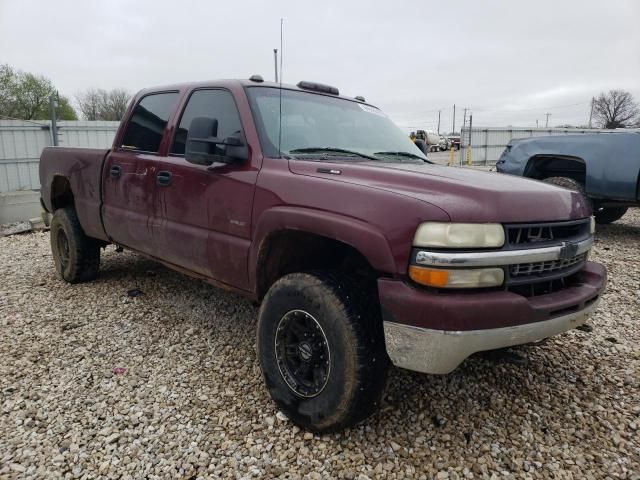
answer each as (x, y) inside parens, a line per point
(487, 144)
(21, 144)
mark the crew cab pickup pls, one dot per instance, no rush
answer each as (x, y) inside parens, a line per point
(360, 251)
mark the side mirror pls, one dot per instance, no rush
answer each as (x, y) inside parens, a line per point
(198, 147)
(205, 148)
(236, 150)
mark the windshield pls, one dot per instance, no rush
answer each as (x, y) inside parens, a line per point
(323, 126)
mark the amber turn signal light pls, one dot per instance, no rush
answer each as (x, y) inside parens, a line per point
(429, 276)
(457, 277)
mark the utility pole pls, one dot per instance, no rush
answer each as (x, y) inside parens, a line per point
(275, 62)
(546, 124)
(464, 124)
(438, 122)
(53, 103)
(537, 123)
(593, 100)
(453, 127)
(469, 154)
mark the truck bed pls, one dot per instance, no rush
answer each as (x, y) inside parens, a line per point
(82, 169)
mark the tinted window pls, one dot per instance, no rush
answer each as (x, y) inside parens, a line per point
(145, 129)
(216, 104)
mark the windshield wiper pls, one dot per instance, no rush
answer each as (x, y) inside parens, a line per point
(402, 154)
(331, 149)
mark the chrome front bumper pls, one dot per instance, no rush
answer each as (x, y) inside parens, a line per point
(440, 351)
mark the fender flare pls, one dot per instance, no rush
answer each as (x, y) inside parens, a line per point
(363, 237)
(539, 157)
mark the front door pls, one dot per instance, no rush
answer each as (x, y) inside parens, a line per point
(129, 175)
(206, 224)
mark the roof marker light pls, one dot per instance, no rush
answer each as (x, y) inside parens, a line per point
(318, 87)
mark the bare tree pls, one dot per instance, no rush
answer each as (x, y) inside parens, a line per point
(615, 109)
(89, 104)
(99, 104)
(116, 103)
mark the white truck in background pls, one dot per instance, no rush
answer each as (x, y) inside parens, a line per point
(430, 138)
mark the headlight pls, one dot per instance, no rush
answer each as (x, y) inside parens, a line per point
(457, 278)
(592, 226)
(459, 235)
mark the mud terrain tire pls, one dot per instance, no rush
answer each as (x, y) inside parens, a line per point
(345, 385)
(76, 256)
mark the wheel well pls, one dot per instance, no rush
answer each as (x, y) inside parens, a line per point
(61, 193)
(289, 251)
(544, 166)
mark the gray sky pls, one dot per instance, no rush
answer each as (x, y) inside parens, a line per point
(509, 61)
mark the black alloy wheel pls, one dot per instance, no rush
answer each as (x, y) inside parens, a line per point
(302, 353)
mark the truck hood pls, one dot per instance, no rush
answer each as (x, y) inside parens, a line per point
(466, 195)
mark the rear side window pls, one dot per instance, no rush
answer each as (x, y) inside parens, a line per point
(146, 127)
(218, 104)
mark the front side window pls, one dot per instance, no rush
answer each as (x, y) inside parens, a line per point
(218, 104)
(146, 126)
(321, 125)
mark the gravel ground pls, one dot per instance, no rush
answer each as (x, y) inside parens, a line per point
(97, 383)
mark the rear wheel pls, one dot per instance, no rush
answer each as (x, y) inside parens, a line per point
(609, 214)
(76, 256)
(321, 349)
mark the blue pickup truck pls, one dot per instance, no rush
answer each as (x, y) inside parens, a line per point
(604, 167)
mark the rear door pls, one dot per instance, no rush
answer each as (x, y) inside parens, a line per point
(129, 176)
(206, 223)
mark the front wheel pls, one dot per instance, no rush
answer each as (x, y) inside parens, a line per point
(321, 350)
(566, 182)
(609, 214)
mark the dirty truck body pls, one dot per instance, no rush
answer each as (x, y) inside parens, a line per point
(361, 252)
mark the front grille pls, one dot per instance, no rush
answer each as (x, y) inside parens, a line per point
(545, 287)
(537, 234)
(521, 270)
(537, 277)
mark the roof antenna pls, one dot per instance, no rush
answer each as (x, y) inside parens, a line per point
(280, 120)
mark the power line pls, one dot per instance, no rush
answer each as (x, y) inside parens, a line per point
(489, 109)
(503, 109)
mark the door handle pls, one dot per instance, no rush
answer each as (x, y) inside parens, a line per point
(164, 179)
(115, 171)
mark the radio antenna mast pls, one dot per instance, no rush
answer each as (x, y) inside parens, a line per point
(280, 120)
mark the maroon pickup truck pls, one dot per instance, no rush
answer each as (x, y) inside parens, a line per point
(361, 252)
